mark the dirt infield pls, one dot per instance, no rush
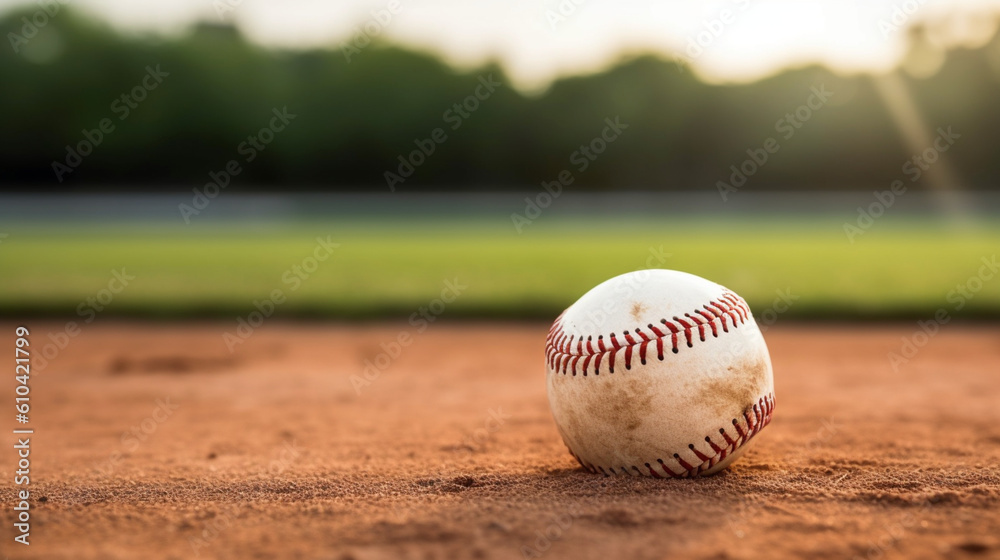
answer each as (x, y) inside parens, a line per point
(153, 441)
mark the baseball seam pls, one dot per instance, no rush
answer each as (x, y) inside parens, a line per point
(561, 355)
(745, 430)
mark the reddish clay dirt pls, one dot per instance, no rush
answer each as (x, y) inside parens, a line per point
(451, 452)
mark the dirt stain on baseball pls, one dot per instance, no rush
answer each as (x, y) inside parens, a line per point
(637, 310)
(625, 404)
(738, 391)
(616, 414)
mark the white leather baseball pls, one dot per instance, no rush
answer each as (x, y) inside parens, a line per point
(658, 373)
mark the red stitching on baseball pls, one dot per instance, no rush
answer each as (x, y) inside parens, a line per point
(763, 410)
(687, 331)
(559, 348)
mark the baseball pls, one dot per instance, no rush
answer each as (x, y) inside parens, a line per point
(658, 373)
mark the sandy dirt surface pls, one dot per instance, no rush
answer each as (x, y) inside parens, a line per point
(153, 441)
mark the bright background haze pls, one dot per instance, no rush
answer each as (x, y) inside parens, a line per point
(536, 42)
(904, 76)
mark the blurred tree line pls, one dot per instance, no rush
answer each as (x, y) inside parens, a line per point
(163, 113)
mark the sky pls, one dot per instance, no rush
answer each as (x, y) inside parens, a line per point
(539, 40)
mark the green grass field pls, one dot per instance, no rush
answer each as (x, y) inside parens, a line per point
(899, 269)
